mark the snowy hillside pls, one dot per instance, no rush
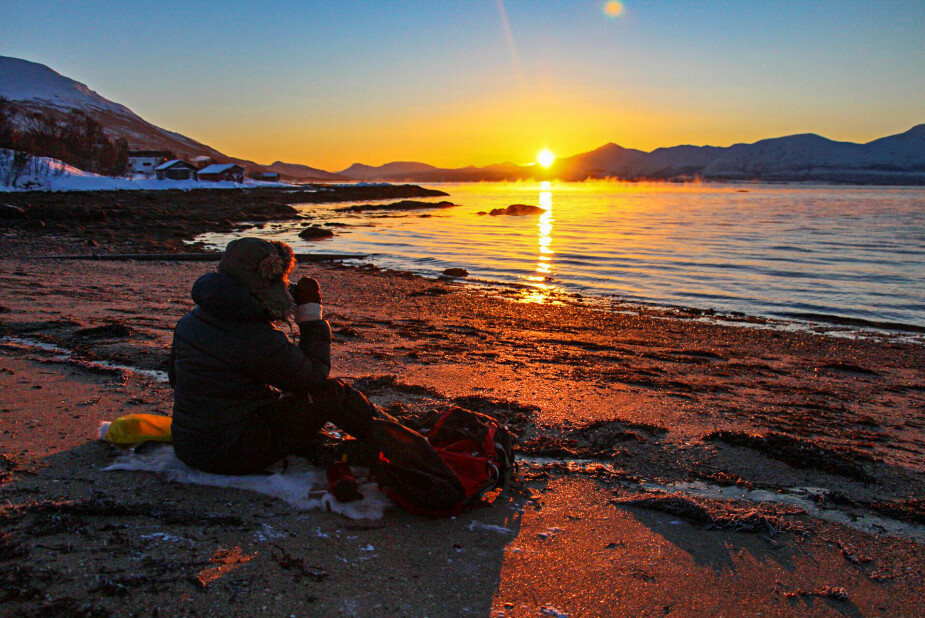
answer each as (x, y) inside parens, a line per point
(34, 87)
(21, 80)
(903, 151)
(790, 154)
(673, 162)
(812, 157)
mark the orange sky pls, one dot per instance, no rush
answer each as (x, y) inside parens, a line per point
(451, 84)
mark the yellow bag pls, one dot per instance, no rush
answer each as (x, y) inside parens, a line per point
(136, 428)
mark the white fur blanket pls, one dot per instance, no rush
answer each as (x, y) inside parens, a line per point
(298, 483)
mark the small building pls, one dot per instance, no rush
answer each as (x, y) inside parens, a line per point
(266, 176)
(222, 171)
(144, 161)
(175, 169)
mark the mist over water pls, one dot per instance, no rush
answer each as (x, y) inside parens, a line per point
(770, 250)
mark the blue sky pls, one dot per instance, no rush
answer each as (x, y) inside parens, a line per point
(331, 83)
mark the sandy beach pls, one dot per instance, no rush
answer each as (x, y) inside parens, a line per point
(671, 463)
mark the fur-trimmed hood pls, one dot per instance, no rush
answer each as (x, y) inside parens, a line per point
(262, 268)
(221, 296)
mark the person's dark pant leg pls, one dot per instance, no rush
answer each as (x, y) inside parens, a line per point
(346, 407)
(273, 433)
(291, 424)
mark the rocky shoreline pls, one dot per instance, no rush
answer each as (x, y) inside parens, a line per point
(161, 221)
(667, 464)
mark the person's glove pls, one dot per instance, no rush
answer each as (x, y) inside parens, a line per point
(307, 296)
(306, 290)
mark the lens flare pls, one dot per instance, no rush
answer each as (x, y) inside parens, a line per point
(545, 157)
(613, 8)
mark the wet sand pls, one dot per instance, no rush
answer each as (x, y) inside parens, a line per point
(670, 464)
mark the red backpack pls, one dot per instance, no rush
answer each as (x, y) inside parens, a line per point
(446, 465)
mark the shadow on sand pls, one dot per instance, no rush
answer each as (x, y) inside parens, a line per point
(77, 539)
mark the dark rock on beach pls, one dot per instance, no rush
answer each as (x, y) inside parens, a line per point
(517, 210)
(402, 205)
(456, 272)
(110, 330)
(314, 232)
(270, 210)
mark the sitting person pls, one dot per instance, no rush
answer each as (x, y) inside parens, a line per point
(245, 396)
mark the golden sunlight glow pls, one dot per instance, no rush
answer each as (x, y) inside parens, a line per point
(613, 8)
(545, 157)
(540, 290)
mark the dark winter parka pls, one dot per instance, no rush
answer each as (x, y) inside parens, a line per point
(229, 362)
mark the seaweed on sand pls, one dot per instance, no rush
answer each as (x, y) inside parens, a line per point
(722, 478)
(514, 415)
(20, 582)
(597, 440)
(11, 546)
(602, 472)
(548, 446)
(717, 514)
(829, 592)
(377, 384)
(797, 453)
(7, 466)
(911, 510)
(603, 434)
(65, 510)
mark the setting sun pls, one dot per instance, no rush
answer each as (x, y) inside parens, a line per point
(613, 8)
(545, 157)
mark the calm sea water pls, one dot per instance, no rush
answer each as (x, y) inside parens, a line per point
(769, 250)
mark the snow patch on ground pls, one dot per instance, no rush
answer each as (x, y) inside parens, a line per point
(46, 174)
(477, 525)
(163, 536)
(291, 485)
(268, 533)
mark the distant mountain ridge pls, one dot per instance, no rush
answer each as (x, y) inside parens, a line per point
(396, 170)
(297, 171)
(895, 159)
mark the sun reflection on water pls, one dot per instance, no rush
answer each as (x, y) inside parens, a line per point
(540, 290)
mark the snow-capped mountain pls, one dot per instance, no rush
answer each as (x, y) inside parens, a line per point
(903, 151)
(812, 157)
(33, 87)
(21, 80)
